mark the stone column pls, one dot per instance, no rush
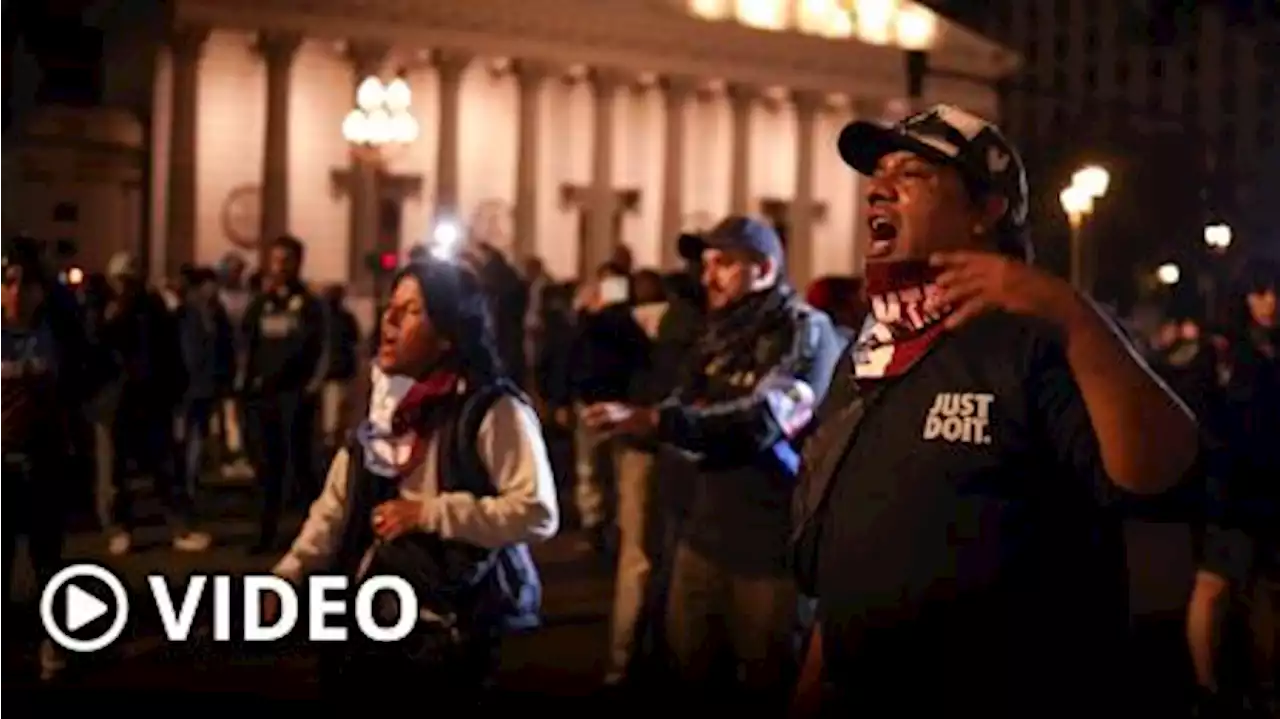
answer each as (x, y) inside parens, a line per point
(366, 59)
(741, 101)
(676, 91)
(278, 50)
(604, 86)
(450, 67)
(185, 44)
(529, 80)
(804, 207)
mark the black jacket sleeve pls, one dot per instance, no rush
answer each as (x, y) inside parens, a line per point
(781, 404)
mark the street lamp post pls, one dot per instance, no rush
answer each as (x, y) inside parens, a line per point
(1217, 238)
(380, 121)
(916, 30)
(1088, 185)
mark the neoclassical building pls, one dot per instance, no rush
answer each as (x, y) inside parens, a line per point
(552, 128)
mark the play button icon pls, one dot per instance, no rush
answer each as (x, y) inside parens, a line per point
(83, 607)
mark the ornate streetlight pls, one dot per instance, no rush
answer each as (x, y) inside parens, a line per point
(1217, 238)
(381, 117)
(1088, 185)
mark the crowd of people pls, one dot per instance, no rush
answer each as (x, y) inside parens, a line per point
(903, 491)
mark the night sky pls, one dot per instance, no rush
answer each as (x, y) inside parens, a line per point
(50, 55)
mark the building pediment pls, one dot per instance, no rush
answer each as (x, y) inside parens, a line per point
(642, 34)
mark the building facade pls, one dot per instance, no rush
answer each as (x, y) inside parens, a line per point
(551, 128)
(1206, 75)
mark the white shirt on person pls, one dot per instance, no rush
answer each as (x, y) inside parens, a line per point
(524, 508)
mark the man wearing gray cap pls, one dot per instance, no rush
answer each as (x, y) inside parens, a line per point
(749, 391)
(955, 516)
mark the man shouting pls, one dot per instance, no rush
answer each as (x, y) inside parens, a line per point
(953, 517)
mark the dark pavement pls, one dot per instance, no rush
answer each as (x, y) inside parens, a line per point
(562, 660)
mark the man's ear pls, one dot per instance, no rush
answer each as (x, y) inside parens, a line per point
(765, 271)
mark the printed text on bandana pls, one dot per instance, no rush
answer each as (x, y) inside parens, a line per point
(960, 417)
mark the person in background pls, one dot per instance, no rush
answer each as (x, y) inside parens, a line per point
(1186, 360)
(235, 295)
(607, 351)
(536, 282)
(623, 259)
(748, 391)
(344, 343)
(634, 469)
(841, 298)
(208, 354)
(508, 295)
(675, 473)
(443, 484)
(284, 330)
(45, 352)
(143, 334)
(173, 289)
(1239, 578)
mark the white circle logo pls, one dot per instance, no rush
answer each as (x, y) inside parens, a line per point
(82, 608)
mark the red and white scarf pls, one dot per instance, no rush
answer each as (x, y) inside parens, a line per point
(399, 409)
(906, 317)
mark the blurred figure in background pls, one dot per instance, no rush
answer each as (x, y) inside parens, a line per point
(1251, 488)
(208, 354)
(1185, 358)
(607, 351)
(140, 331)
(634, 470)
(536, 282)
(284, 330)
(235, 294)
(44, 350)
(841, 298)
(344, 341)
(508, 296)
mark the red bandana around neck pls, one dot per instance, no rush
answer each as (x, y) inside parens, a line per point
(906, 317)
(424, 396)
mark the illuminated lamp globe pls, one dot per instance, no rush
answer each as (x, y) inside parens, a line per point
(916, 28)
(1093, 179)
(404, 128)
(380, 129)
(355, 127)
(371, 94)
(1168, 274)
(1076, 201)
(398, 97)
(1217, 237)
(875, 20)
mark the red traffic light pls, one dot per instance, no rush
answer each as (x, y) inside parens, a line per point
(388, 261)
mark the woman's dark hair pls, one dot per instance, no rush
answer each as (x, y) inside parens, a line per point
(459, 309)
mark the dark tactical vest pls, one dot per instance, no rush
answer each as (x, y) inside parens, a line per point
(461, 588)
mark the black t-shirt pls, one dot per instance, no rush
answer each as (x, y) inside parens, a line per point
(966, 558)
